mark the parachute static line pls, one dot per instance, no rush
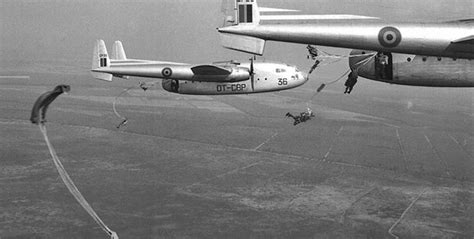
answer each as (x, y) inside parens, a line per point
(124, 119)
(362, 63)
(144, 86)
(72, 187)
(315, 54)
(324, 58)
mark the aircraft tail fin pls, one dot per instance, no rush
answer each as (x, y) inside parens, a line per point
(247, 12)
(100, 59)
(241, 12)
(118, 53)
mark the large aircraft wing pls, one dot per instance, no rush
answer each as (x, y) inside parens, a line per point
(465, 40)
(248, 14)
(470, 20)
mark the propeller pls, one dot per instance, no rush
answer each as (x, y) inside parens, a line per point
(251, 67)
(251, 72)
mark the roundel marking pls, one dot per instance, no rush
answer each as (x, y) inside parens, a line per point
(167, 72)
(390, 37)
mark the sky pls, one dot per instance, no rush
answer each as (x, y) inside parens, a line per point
(174, 30)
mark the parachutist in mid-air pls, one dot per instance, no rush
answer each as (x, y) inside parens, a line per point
(38, 113)
(144, 86)
(124, 122)
(313, 52)
(351, 81)
(316, 63)
(303, 117)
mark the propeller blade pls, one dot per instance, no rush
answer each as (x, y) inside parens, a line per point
(251, 67)
(252, 74)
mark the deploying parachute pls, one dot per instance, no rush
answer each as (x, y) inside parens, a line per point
(38, 116)
(38, 113)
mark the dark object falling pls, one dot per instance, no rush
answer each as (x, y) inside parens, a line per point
(321, 87)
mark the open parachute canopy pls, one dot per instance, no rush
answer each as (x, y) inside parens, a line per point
(38, 113)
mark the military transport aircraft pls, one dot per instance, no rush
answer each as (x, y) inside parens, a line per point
(421, 54)
(209, 79)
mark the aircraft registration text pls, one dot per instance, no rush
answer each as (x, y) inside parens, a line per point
(231, 87)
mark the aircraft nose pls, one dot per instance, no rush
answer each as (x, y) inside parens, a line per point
(302, 76)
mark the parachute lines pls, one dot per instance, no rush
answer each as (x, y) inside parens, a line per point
(72, 187)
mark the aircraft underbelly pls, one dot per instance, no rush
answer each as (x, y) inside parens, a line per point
(419, 71)
(214, 88)
(446, 72)
(258, 85)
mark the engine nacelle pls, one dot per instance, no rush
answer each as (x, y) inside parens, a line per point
(211, 73)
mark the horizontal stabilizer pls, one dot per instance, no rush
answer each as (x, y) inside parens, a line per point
(246, 44)
(210, 70)
(465, 40)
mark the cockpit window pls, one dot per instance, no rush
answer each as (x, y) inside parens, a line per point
(280, 70)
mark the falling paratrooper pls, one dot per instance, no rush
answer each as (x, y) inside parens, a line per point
(302, 117)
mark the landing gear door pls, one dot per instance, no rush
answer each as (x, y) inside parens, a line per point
(384, 66)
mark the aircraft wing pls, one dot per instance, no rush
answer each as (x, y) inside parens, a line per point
(464, 40)
(470, 20)
(210, 70)
(268, 9)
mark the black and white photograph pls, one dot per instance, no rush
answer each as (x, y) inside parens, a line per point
(236, 119)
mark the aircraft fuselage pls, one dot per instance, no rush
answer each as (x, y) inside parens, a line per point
(415, 70)
(207, 79)
(267, 77)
